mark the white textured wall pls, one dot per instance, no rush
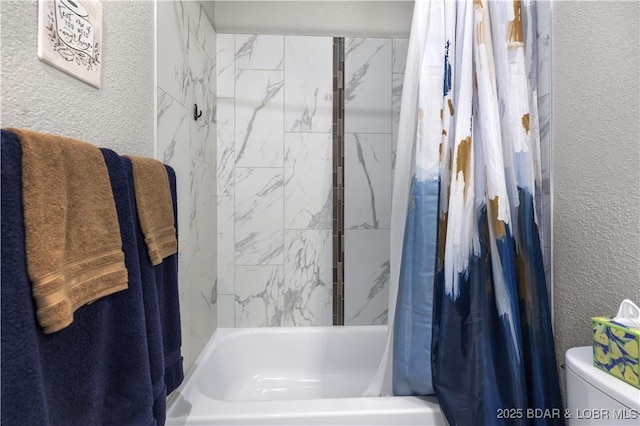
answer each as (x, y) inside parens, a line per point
(596, 96)
(327, 18)
(39, 97)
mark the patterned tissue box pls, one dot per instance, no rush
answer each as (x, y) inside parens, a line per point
(616, 349)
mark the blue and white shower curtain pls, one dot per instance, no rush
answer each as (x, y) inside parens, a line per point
(471, 319)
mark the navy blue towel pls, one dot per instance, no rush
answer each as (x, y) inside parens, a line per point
(167, 283)
(118, 360)
(161, 302)
(97, 370)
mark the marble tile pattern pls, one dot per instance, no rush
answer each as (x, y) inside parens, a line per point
(397, 84)
(259, 52)
(203, 311)
(259, 115)
(174, 133)
(367, 93)
(225, 59)
(274, 177)
(226, 246)
(366, 276)
(308, 84)
(186, 74)
(259, 216)
(173, 58)
(308, 278)
(373, 77)
(259, 297)
(400, 47)
(367, 181)
(202, 74)
(308, 199)
(225, 146)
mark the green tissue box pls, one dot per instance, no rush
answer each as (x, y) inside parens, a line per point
(615, 349)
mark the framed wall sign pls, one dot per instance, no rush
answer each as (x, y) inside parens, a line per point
(70, 37)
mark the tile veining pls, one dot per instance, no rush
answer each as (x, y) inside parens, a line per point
(367, 181)
(225, 53)
(363, 165)
(259, 52)
(368, 69)
(274, 177)
(225, 146)
(258, 121)
(357, 76)
(308, 84)
(187, 75)
(259, 216)
(226, 245)
(307, 169)
(258, 302)
(308, 285)
(367, 271)
(380, 284)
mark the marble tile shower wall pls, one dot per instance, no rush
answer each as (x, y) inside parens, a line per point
(374, 73)
(274, 177)
(186, 76)
(274, 180)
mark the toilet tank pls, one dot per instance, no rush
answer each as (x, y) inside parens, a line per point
(595, 397)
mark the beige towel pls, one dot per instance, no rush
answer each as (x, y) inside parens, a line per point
(155, 208)
(72, 234)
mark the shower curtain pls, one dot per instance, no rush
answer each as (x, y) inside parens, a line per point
(469, 313)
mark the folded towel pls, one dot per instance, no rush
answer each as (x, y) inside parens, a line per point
(95, 371)
(74, 249)
(120, 168)
(153, 202)
(161, 304)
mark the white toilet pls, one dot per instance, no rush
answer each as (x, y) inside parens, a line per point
(595, 397)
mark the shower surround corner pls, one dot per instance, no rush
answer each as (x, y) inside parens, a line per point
(186, 76)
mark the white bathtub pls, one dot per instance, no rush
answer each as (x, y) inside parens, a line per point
(293, 376)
